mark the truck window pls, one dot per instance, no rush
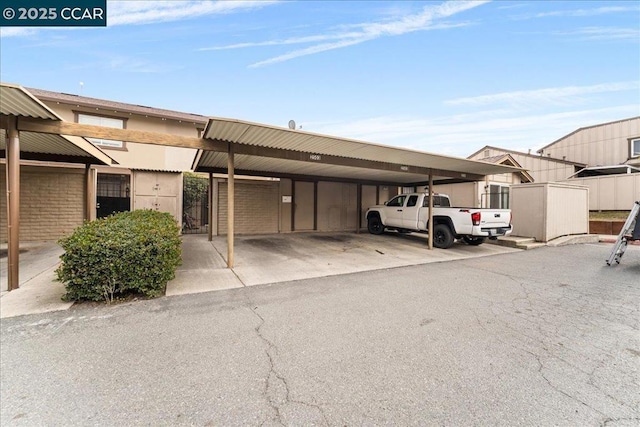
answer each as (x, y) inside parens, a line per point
(438, 202)
(397, 201)
(413, 200)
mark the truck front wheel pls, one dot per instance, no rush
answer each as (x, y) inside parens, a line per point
(374, 225)
(442, 236)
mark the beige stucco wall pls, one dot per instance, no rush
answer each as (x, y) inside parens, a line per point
(612, 192)
(51, 202)
(142, 156)
(603, 145)
(285, 206)
(548, 210)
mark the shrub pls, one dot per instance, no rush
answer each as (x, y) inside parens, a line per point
(128, 252)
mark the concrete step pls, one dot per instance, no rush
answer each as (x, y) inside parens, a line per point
(516, 242)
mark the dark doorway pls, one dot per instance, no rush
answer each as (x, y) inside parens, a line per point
(113, 194)
(195, 204)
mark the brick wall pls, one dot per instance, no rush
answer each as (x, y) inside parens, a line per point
(51, 202)
(256, 207)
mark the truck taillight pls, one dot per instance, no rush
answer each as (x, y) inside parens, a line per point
(475, 218)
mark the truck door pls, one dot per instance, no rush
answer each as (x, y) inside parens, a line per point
(410, 213)
(394, 210)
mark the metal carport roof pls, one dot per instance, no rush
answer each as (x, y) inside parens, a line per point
(276, 151)
(17, 102)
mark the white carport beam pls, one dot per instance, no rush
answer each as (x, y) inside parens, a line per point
(13, 203)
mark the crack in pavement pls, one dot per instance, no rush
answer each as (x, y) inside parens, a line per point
(539, 317)
(275, 382)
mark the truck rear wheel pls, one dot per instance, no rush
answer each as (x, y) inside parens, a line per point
(374, 225)
(473, 241)
(442, 236)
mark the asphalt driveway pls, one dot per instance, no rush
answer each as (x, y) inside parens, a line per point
(543, 337)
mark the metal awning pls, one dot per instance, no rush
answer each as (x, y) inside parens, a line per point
(15, 101)
(281, 152)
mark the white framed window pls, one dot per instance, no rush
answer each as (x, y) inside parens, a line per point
(111, 122)
(635, 147)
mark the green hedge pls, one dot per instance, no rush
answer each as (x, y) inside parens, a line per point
(128, 252)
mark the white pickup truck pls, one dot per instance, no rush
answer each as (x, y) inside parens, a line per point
(410, 212)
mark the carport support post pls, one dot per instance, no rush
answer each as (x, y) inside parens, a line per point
(430, 239)
(210, 210)
(13, 203)
(230, 205)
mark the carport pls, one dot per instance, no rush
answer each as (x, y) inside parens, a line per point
(263, 150)
(15, 104)
(227, 146)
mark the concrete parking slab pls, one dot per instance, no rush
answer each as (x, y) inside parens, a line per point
(283, 257)
(38, 291)
(203, 269)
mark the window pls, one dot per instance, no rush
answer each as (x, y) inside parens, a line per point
(497, 197)
(635, 147)
(438, 202)
(110, 122)
(413, 200)
(397, 201)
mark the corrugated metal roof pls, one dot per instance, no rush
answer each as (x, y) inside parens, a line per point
(256, 134)
(282, 167)
(15, 101)
(58, 145)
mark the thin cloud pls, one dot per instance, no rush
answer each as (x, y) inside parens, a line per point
(603, 33)
(462, 134)
(589, 12)
(360, 33)
(151, 12)
(568, 95)
(16, 31)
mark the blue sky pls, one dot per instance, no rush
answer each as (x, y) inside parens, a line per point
(442, 77)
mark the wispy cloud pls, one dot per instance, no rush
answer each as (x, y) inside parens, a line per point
(363, 32)
(568, 95)
(16, 31)
(121, 12)
(462, 134)
(590, 12)
(603, 33)
(149, 12)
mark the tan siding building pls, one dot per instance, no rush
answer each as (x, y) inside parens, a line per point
(606, 144)
(541, 169)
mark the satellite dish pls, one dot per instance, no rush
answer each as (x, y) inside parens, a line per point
(292, 124)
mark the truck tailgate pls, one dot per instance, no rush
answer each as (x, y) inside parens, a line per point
(495, 218)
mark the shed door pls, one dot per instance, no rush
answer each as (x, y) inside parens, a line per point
(304, 205)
